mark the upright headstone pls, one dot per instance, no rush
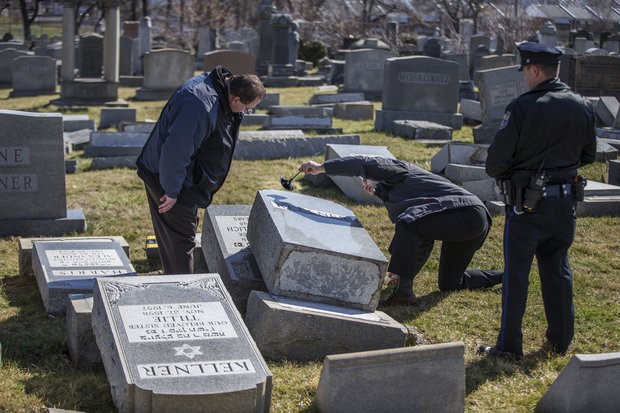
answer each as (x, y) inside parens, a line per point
(363, 71)
(265, 10)
(34, 75)
(91, 55)
(496, 88)
(206, 43)
(280, 59)
(352, 186)
(589, 383)
(237, 62)
(429, 378)
(33, 198)
(71, 267)
(595, 75)
(177, 343)
(227, 251)
(313, 249)
(164, 71)
(7, 59)
(144, 43)
(126, 56)
(420, 88)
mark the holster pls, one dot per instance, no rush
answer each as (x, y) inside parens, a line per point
(507, 191)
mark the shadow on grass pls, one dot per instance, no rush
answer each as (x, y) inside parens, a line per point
(405, 314)
(489, 368)
(35, 343)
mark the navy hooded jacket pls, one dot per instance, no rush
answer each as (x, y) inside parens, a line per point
(190, 150)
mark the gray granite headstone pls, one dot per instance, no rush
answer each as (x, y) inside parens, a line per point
(363, 72)
(458, 153)
(589, 383)
(614, 172)
(595, 75)
(25, 249)
(7, 59)
(352, 186)
(290, 329)
(34, 75)
(420, 88)
(313, 249)
(113, 116)
(274, 144)
(164, 71)
(127, 50)
(496, 89)
(65, 267)
(177, 343)
(237, 62)
(429, 378)
(32, 177)
(91, 55)
(227, 251)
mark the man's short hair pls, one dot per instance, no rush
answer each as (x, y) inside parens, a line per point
(247, 87)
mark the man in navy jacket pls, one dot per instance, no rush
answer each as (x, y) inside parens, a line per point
(424, 207)
(188, 155)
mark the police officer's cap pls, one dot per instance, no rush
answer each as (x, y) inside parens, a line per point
(538, 53)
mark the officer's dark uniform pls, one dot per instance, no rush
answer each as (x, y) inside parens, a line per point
(548, 131)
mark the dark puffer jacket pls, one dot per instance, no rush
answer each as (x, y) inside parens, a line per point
(191, 147)
(408, 192)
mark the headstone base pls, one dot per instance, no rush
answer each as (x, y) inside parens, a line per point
(22, 93)
(428, 378)
(81, 343)
(280, 81)
(151, 94)
(302, 330)
(90, 92)
(485, 133)
(52, 227)
(131, 81)
(384, 118)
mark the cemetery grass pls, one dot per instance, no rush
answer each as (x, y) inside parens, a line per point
(37, 372)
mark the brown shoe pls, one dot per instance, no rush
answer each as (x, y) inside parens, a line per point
(397, 299)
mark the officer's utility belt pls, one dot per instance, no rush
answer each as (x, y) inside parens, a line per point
(526, 198)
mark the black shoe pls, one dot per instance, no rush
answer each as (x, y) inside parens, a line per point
(492, 351)
(551, 349)
(396, 299)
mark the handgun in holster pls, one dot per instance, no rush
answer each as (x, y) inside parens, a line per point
(579, 187)
(506, 190)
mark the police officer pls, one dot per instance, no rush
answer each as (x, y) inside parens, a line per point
(424, 207)
(545, 135)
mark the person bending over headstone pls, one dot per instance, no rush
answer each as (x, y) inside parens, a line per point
(188, 155)
(424, 207)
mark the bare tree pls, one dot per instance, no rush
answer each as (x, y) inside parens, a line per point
(29, 10)
(456, 10)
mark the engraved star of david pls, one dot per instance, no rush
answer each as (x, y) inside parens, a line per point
(188, 351)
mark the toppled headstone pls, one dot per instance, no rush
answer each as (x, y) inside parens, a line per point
(177, 343)
(421, 130)
(313, 249)
(459, 153)
(71, 267)
(227, 251)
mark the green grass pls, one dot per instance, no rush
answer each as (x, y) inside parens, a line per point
(36, 370)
